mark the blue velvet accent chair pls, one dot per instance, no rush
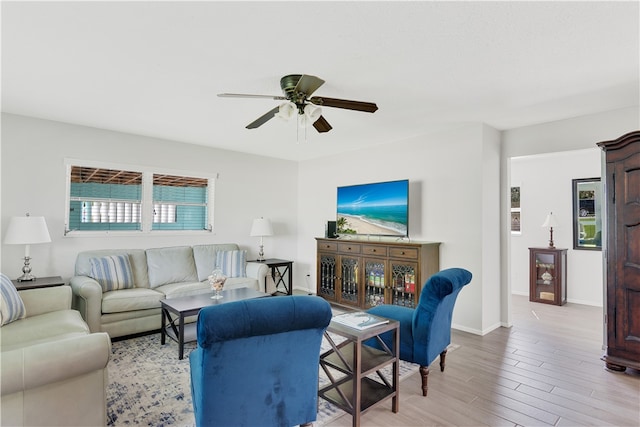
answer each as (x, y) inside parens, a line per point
(256, 363)
(425, 332)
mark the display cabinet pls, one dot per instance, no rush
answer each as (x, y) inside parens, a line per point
(548, 275)
(363, 274)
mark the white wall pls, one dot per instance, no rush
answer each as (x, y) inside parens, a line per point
(558, 141)
(455, 196)
(450, 188)
(542, 193)
(33, 180)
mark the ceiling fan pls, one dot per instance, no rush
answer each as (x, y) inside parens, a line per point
(297, 90)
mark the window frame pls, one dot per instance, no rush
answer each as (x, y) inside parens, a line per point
(147, 201)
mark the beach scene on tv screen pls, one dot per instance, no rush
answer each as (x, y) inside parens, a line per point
(375, 209)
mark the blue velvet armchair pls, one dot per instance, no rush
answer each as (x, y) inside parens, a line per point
(256, 363)
(425, 332)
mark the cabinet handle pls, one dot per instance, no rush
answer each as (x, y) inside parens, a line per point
(349, 248)
(402, 253)
(373, 250)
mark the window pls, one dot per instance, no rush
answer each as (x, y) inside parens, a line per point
(104, 199)
(179, 202)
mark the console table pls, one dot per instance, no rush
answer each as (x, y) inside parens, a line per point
(356, 391)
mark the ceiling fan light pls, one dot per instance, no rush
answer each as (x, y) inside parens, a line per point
(286, 110)
(312, 112)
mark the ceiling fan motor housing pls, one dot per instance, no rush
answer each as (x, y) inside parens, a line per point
(288, 85)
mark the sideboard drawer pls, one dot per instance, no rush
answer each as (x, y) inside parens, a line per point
(404, 253)
(374, 250)
(350, 248)
(328, 246)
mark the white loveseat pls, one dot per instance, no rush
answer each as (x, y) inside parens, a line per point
(157, 273)
(54, 372)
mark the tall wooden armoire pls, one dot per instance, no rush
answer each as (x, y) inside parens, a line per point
(622, 251)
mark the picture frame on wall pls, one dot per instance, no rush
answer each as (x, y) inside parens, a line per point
(587, 213)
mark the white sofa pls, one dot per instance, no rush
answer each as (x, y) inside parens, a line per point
(157, 273)
(54, 371)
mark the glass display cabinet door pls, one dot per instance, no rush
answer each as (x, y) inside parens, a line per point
(374, 289)
(327, 277)
(548, 275)
(349, 279)
(403, 287)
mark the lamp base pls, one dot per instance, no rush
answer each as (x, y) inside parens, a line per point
(261, 254)
(551, 245)
(26, 270)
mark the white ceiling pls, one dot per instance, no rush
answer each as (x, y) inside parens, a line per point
(154, 68)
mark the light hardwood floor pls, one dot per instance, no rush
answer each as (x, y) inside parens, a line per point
(545, 370)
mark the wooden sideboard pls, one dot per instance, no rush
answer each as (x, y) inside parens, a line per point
(363, 274)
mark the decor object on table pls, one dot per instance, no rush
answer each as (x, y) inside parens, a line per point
(216, 281)
(275, 344)
(27, 230)
(261, 227)
(425, 332)
(550, 222)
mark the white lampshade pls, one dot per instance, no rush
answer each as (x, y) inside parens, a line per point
(27, 230)
(286, 110)
(312, 112)
(261, 227)
(550, 221)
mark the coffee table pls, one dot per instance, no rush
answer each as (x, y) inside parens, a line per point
(182, 307)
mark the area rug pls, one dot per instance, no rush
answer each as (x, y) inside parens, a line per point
(149, 385)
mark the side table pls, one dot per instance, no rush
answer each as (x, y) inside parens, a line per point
(279, 269)
(355, 391)
(40, 282)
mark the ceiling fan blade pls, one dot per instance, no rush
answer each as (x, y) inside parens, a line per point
(263, 119)
(308, 84)
(244, 95)
(322, 125)
(367, 107)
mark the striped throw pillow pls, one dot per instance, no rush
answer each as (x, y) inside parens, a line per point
(232, 263)
(11, 305)
(112, 272)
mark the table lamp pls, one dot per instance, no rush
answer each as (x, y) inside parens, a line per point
(27, 230)
(261, 227)
(550, 222)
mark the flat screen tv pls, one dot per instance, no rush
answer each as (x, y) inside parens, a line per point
(380, 208)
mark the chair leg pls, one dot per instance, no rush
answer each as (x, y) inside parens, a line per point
(442, 356)
(424, 372)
